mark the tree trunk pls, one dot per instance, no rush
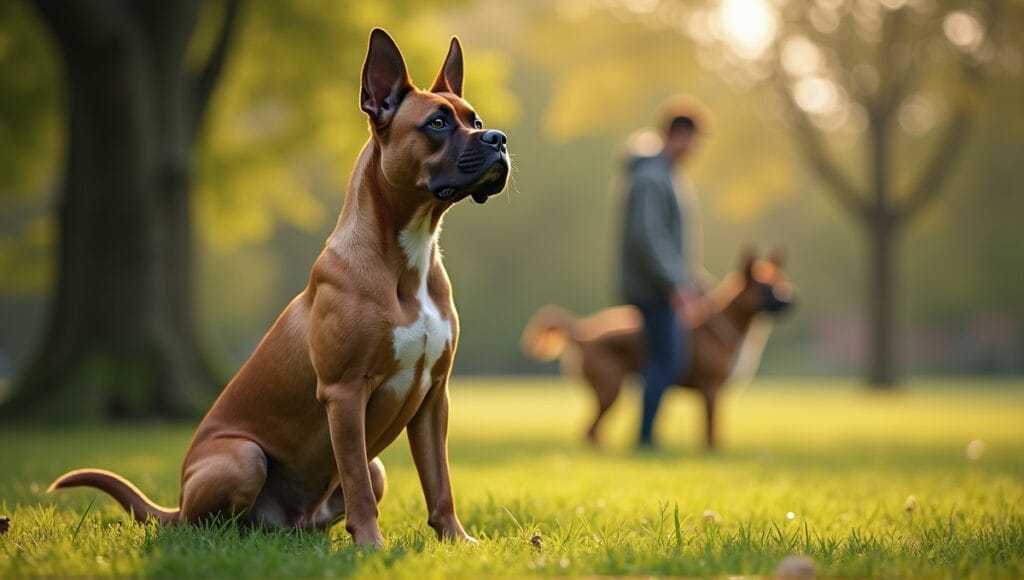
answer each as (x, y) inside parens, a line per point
(121, 341)
(881, 371)
(881, 227)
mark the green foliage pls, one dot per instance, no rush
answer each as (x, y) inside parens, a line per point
(30, 143)
(286, 126)
(284, 129)
(24, 264)
(819, 469)
(29, 97)
(754, 188)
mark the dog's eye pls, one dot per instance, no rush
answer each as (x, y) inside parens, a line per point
(478, 124)
(438, 123)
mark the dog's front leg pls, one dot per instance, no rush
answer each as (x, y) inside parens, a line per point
(428, 439)
(346, 416)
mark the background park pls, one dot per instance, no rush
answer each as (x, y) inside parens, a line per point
(146, 247)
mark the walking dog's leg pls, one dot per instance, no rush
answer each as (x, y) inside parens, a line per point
(710, 434)
(605, 377)
(606, 391)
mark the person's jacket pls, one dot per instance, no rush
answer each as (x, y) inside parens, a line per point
(654, 259)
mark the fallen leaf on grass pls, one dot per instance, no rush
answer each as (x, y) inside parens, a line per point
(795, 567)
(911, 504)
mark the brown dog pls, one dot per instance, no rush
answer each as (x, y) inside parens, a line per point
(366, 349)
(609, 343)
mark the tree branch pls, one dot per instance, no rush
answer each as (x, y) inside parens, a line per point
(950, 143)
(814, 150)
(901, 67)
(930, 180)
(889, 81)
(204, 82)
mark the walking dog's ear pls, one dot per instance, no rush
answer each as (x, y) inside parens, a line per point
(385, 80)
(449, 78)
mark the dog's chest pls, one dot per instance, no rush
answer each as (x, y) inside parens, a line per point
(424, 340)
(427, 337)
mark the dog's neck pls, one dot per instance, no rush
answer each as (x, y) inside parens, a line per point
(401, 226)
(727, 317)
(731, 321)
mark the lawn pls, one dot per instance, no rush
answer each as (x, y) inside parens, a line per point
(865, 484)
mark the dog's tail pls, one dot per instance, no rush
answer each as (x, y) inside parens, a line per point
(547, 333)
(130, 497)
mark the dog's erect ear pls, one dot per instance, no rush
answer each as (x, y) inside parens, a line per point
(747, 260)
(449, 78)
(385, 79)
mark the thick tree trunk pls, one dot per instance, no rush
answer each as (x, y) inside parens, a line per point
(121, 341)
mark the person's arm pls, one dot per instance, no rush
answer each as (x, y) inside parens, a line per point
(686, 302)
(651, 239)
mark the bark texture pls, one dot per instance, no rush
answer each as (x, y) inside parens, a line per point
(121, 340)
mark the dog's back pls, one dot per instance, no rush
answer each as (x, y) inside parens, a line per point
(553, 332)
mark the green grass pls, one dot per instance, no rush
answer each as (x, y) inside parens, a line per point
(817, 468)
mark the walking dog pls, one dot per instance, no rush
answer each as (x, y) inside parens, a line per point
(365, 350)
(609, 344)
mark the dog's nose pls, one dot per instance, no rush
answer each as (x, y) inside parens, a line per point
(495, 139)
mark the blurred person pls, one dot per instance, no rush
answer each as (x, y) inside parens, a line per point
(658, 270)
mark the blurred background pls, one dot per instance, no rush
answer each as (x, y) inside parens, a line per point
(170, 170)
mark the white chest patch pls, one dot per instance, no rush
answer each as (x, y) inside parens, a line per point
(430, 334)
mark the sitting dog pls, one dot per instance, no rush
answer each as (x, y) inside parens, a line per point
(609, 344)
(365, 350)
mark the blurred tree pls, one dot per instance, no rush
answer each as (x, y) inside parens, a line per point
(874, 69)
(138, 78)
(121, 339)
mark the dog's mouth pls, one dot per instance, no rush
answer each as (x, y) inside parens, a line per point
(491, 181)
(778, 298)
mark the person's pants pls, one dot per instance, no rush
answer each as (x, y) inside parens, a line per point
(668, 353)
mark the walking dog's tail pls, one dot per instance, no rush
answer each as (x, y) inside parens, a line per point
(547, 333)
(130, 497)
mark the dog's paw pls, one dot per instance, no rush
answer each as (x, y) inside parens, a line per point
(367, 540)
(369, 544)
(455, 534)
(469, 539)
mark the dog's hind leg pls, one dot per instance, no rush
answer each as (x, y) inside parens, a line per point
(607, 384)
(378, 478)
(710, 408)
(223, 477)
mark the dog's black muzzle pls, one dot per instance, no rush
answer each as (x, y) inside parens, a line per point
(776, 298)
(482, 170)
(480, 151)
